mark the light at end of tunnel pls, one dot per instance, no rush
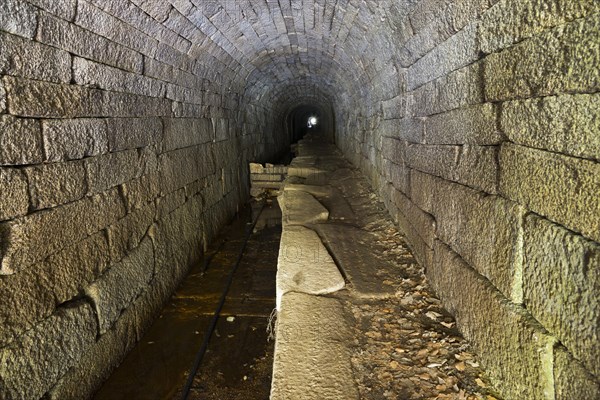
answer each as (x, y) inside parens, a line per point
(312, 121)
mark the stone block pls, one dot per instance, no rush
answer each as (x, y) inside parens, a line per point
(473, 166)
(86, 72)
(179, 238)
(112, 169)
(571, 379)
(560, 60)
(74, 39)
(266, 177)
(420, 190)
(394, 150)
(458, 51)
(96, 20)
(423, 223)
(221, 129)
(563, 189)
(31, 365)
(510, 22)
(564, 124)
(561, 286)
(71, 139)
(64, 9)
(512, 347)
(114, 291)
(34, 293)
(420, 250)
(183, 166)
(457, 89)
(17, 203)
(394, 108)
(122, 105)
(18, 17)
(141, 191)
(32, 238)
(131, 133)
(20, 141)
(51, 185)
(49, 100)
(485, 230)
(399, 176)
(127, 233)
(409, 129)
(186, 132)
(2, 98)
(299, 208)
(42, 62)
(304, 265)
(170, 202)
(313, 336)
(97, 362)
(470, 125)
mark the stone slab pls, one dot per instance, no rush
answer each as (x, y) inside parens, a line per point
(355, 252)
(312, 350)
(299, 208)
(304, 264)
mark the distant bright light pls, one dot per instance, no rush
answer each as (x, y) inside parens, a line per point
(312, 121)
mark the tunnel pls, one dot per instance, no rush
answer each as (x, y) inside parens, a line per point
(127, 133)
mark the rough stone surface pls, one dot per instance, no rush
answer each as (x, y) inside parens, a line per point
(470, 125)
(34, 237)
(131, 133)
(121, 284)
(109, 170)
(127, 233)
(312, 331)
(71, 139)
(31, 366)
(510, 22)
(566, 124)
(17, 203)
(474, 166)
(20, 141)
(300, 208)
(564, 189)
(352, 249)
(560, 60)
(34, 293)
(72, 38)
(42, 62)
(484, 230)
(18, 17)
(571, 379)
(304, 265)
(51, 185)
(561, 284)
(503, 335)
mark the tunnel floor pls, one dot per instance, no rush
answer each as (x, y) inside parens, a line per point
(404, 344)
(237, 363)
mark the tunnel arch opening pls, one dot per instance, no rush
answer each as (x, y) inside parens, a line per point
(309, 118)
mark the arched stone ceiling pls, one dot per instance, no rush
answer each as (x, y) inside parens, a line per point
(275, 52)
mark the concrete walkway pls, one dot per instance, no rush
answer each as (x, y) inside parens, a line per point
(341, 262)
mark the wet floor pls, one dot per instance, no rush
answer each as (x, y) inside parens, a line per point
(238, 360)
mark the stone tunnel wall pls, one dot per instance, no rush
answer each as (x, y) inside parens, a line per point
(126, 128)
(490, 164)
(122, 151)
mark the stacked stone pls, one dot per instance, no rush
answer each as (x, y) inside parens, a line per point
(266, 179)
(490, 164)
(121, 154)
